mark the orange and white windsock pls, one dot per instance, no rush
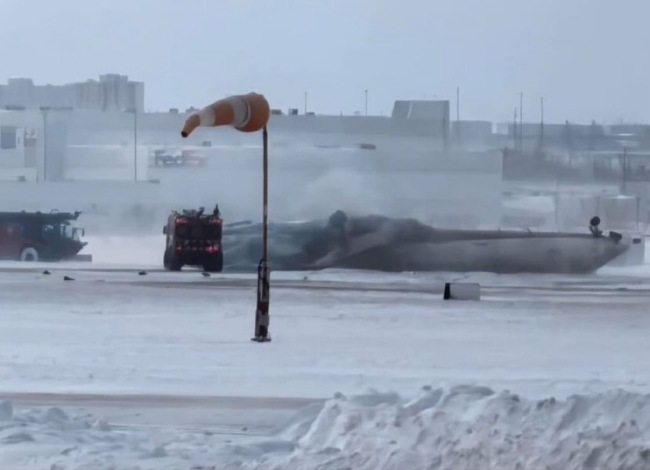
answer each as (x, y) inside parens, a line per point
(246, 113)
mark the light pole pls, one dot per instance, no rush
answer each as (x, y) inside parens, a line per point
(541, 125)
(458, 136)
(366, 93)
(45, 109)
(521, 122)
(135, 144)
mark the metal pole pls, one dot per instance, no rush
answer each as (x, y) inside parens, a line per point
(625, 170)
(135, 144)
(444, 132)
(263, 278)
(458, 115)
(44, 145)
(557, 202)
(515, 134)
(541, 137)
(521, 122)
(305, 103)
(265, 192)
(366, 93)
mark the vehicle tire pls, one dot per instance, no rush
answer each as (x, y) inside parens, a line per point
(166, 263)
(29, 254)
(215, 265)
(171, 263)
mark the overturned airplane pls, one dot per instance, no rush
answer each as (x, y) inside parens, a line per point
(406, 245)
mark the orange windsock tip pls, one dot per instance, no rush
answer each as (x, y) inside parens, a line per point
(191, 123)
(246, 113)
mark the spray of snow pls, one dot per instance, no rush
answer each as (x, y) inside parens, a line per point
(137, 250)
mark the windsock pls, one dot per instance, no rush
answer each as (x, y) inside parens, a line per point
(246, 113)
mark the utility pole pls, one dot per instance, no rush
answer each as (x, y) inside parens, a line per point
(305, 103)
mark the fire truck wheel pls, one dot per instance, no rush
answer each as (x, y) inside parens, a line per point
(29, 254)
(171, 263)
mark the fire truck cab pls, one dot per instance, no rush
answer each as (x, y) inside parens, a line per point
(193, 239)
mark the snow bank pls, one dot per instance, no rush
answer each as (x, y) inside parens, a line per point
(53, 439)
(460, 428)
(49, 431)
(465, 427)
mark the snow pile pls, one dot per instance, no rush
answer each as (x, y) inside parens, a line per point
(465, 427)
(45, 431)
(52, 439)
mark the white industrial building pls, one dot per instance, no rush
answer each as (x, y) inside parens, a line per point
(112, 92)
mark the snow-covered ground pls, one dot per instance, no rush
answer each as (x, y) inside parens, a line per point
(114, 369)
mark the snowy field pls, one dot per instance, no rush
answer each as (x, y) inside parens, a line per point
(114, 369)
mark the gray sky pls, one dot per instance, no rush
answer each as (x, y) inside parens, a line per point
(589, 58)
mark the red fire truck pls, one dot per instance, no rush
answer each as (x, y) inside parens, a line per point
(193, 239)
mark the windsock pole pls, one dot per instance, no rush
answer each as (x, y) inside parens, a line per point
(245, 113)
(263, 275)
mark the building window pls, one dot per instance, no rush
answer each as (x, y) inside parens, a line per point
(7, 137)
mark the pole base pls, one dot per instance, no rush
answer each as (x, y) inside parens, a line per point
(262, 339)
(263, 297)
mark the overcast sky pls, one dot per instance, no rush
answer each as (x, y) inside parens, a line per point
(590, 59)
